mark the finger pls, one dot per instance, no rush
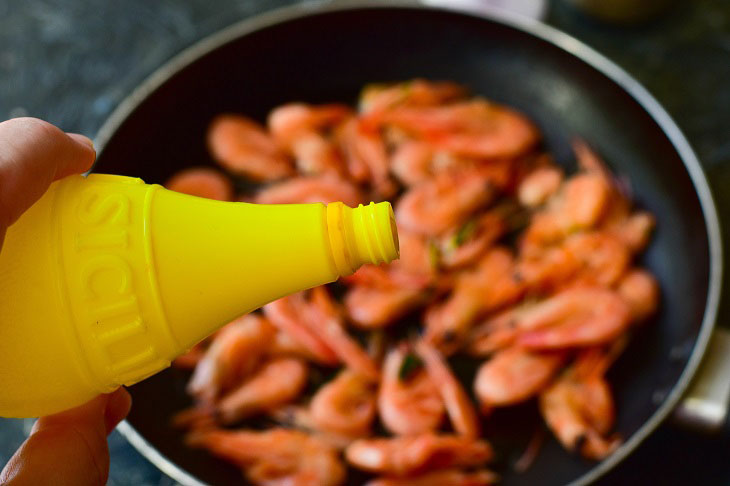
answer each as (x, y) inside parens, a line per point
(69, 448)
(34, 153)
(120, 402)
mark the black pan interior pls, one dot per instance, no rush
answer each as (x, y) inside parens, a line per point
(328, 57)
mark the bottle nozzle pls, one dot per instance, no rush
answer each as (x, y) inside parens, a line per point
(365, 234)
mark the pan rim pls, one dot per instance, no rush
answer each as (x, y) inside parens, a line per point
(529, 26)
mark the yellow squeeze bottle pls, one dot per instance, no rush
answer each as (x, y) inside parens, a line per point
(106, 279)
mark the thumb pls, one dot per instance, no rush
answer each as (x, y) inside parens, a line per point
(69, 448)
(34, 153)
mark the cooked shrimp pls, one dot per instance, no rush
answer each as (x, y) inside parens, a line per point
(317, 324)
(415, 161)
(593, 257)
(408, 403)
(465, 245)
(418, 92)
(546, 270)
(234, 353)
(436, 205)
(588, 159)
(496, 333)
(514, 375)
(539, 186)
(416, 264)
(202, 182)
(275, 457)
(243, 147)
(299, 129)
(344, 406)
(557, 405)
(640, 291)
(325, 318)
(300, 417)
(578, 316)
(346, 135)
(197, 417)
(444, 477)
(366, 156)
(458, 404)
(373, 307)
(284, 345)
(278, 381)
(499, 331)
(600, 257)
(587, 375)
(285, 314)
(584, 197)
(635, 230)
(579, 408)
(489, 286)
(506, 133)
(324, 188)
(411, 162)
(400, 456)
(287, 122)
(315, 154)
(472, 128)
(578, 205)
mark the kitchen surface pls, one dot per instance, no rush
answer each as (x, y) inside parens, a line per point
(72, 62)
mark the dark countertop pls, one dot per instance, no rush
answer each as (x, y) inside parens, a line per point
(72, 61)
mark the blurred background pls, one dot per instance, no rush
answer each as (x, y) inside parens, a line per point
(72, 61)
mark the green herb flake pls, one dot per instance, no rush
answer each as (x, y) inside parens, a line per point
(434, 255)
(465, 232)
(411, 363)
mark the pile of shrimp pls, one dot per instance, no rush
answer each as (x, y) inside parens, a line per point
(505, 259)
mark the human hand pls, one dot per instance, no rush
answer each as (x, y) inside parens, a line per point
(68, 448)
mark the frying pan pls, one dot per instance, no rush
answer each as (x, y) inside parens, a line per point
(323, 53)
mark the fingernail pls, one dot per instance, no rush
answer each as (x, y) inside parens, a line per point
(82, 139)
(117, 408)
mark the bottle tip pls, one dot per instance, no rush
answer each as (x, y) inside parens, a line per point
(384, 232)
(365, 234)
(393, 231)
